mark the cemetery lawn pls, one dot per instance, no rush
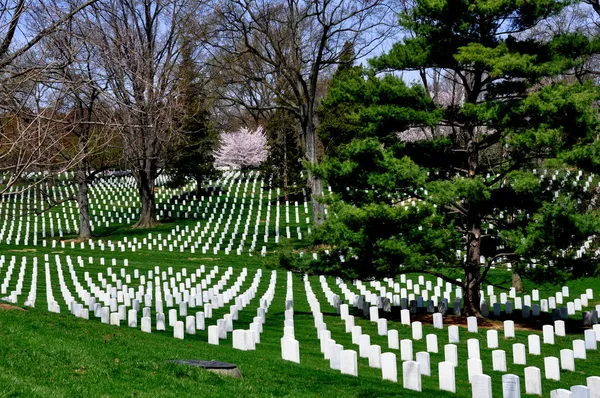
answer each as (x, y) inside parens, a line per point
(53, 355)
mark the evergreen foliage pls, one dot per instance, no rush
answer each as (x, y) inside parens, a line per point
(192, 158)
(284, 162)
(477, 194)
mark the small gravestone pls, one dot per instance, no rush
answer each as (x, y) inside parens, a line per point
(442, 307)
(406, 350)
(457, 305)
(430, 307)
(474, 367)
(499, 360)
(509, 329)
(349, 363)
(535, 310)
(579, 349)
(473, 348)
(497, 309)
(413, 307)
(593, 383)
(567, 360)
(587, 318)
(564, 313)
(555, 314)
(417, 330)
(447, 380)
(485, 310)
(559, 328)
(411, 376)
(222, 368)
(387, 305)
(551, 368)
(492, 338)
(451, 354)
(526, 312)
(424, 362)
(533, 381)
(580, 392)
(561, 393)
(393, 342)
(432, 343)
(511, 387)
(453, 334)
(438, 322)
(375, 356)
(481, 386)
(590, 340)
(388, 367)
(533, 344)
(519, 357)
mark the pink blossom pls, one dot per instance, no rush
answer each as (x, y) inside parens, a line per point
(241, 149)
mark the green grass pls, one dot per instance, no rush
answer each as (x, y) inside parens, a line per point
(45, 354)
(54, 355)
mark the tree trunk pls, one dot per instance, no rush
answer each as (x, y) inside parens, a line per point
(198, 186)
(146, 190)
(472, 281)
(517, 282)
(85, 228)
(285, 175)
(315, 183)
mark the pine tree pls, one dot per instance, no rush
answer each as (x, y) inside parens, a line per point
(284, 162)
(192, 159)
(476, 195)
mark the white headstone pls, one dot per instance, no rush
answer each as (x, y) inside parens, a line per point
(551, 368)
(519, 357)
(474, 367)
(473, 348)
(593, 383)
(453, 336)
(424, 362)
(432, 343)
(290, 349)
(533, 381)
(567, 360)
(511, 387)
(481, 386)
(393, 343)
(509, 329)
(451, 354)
(349, 365)
(406, 350)
(580, 392)
(389, 369)
(492, 338)
(411, 376)
(499, 360)
(533, 344)
(447, 381)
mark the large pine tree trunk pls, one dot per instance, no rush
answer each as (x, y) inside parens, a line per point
(85, 228)
(145, 182)
(472, 283)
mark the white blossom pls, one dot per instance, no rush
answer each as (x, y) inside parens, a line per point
(241, 149)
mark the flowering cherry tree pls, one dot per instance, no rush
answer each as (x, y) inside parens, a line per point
(242, 149)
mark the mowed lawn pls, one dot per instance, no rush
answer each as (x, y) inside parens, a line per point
(45, 354)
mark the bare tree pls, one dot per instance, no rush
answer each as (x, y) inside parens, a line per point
(275, 53)
(138, 43)
(71, 70)
(26, 142)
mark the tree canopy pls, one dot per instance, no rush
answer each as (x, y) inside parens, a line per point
(458, 186)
